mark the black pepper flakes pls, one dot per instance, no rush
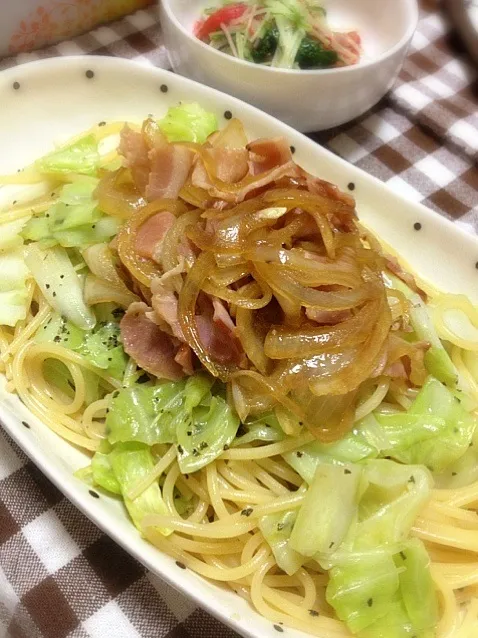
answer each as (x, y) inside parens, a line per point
(411, 479)
(203, 445)
(195, 451)
(247, 512)
(226, 447)
(331, 544)
(313, 612)
(299, 454)
(180, 449)
(346, 471)
(53, 294)
(47, 286)
(370, 602)
(101, 123)
(453, 473)
(280, 527)
(403, 556)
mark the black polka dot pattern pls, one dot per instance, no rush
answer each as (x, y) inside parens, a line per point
(180, 565)
(228, 115)
(164, 88)
(16, 85)
(292, 149)
(417, 226)
(26, 425)
(90, 74)
(93, 494)
(351, 186)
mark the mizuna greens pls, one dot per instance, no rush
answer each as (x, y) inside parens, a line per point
(288, 34)
(277, 403)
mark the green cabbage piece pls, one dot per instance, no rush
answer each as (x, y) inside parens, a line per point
(74, 221)
(361, 587)
(102, 469)
(10, 237)
(355, 447)
(415, 577)
(80, 157)
(265, 428)
(187, 413)
(146, 414)
(378, 576)
(132, 462)
(55, 275)
(276, 529)
(437, 359)
(100, 346)
(13, 289)
(436, 431)
(12, 307)
(188, 123)
(209, 431)
(392, 497)
(328, 510)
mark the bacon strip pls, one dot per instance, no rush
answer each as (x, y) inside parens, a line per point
(151, 348)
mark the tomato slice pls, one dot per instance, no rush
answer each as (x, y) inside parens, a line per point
(225, 15)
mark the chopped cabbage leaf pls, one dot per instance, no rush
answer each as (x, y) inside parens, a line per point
(188, 123)
(328, 510)
(80, 157)
(276, 529)
(131, 463)
(436, 431)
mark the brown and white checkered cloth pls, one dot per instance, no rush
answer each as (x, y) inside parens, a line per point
(59, 575)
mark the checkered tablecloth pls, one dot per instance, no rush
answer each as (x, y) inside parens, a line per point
(59, 575)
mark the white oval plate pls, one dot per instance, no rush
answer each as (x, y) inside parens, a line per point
(49, 101)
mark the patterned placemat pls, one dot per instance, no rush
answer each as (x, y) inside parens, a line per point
(59, 575)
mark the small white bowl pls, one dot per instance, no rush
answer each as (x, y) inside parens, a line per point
(310, 100)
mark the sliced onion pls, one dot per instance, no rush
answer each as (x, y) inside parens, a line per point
(98, 290)
(142, 268)
(288, 343)
(286, 285)
(117, 194)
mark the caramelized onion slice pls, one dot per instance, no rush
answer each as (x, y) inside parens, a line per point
(142, 268)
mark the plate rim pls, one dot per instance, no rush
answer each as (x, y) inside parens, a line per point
(10, 422)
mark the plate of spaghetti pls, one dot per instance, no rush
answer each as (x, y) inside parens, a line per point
(262, 387)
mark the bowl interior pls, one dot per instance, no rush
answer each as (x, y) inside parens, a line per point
(381, 25)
